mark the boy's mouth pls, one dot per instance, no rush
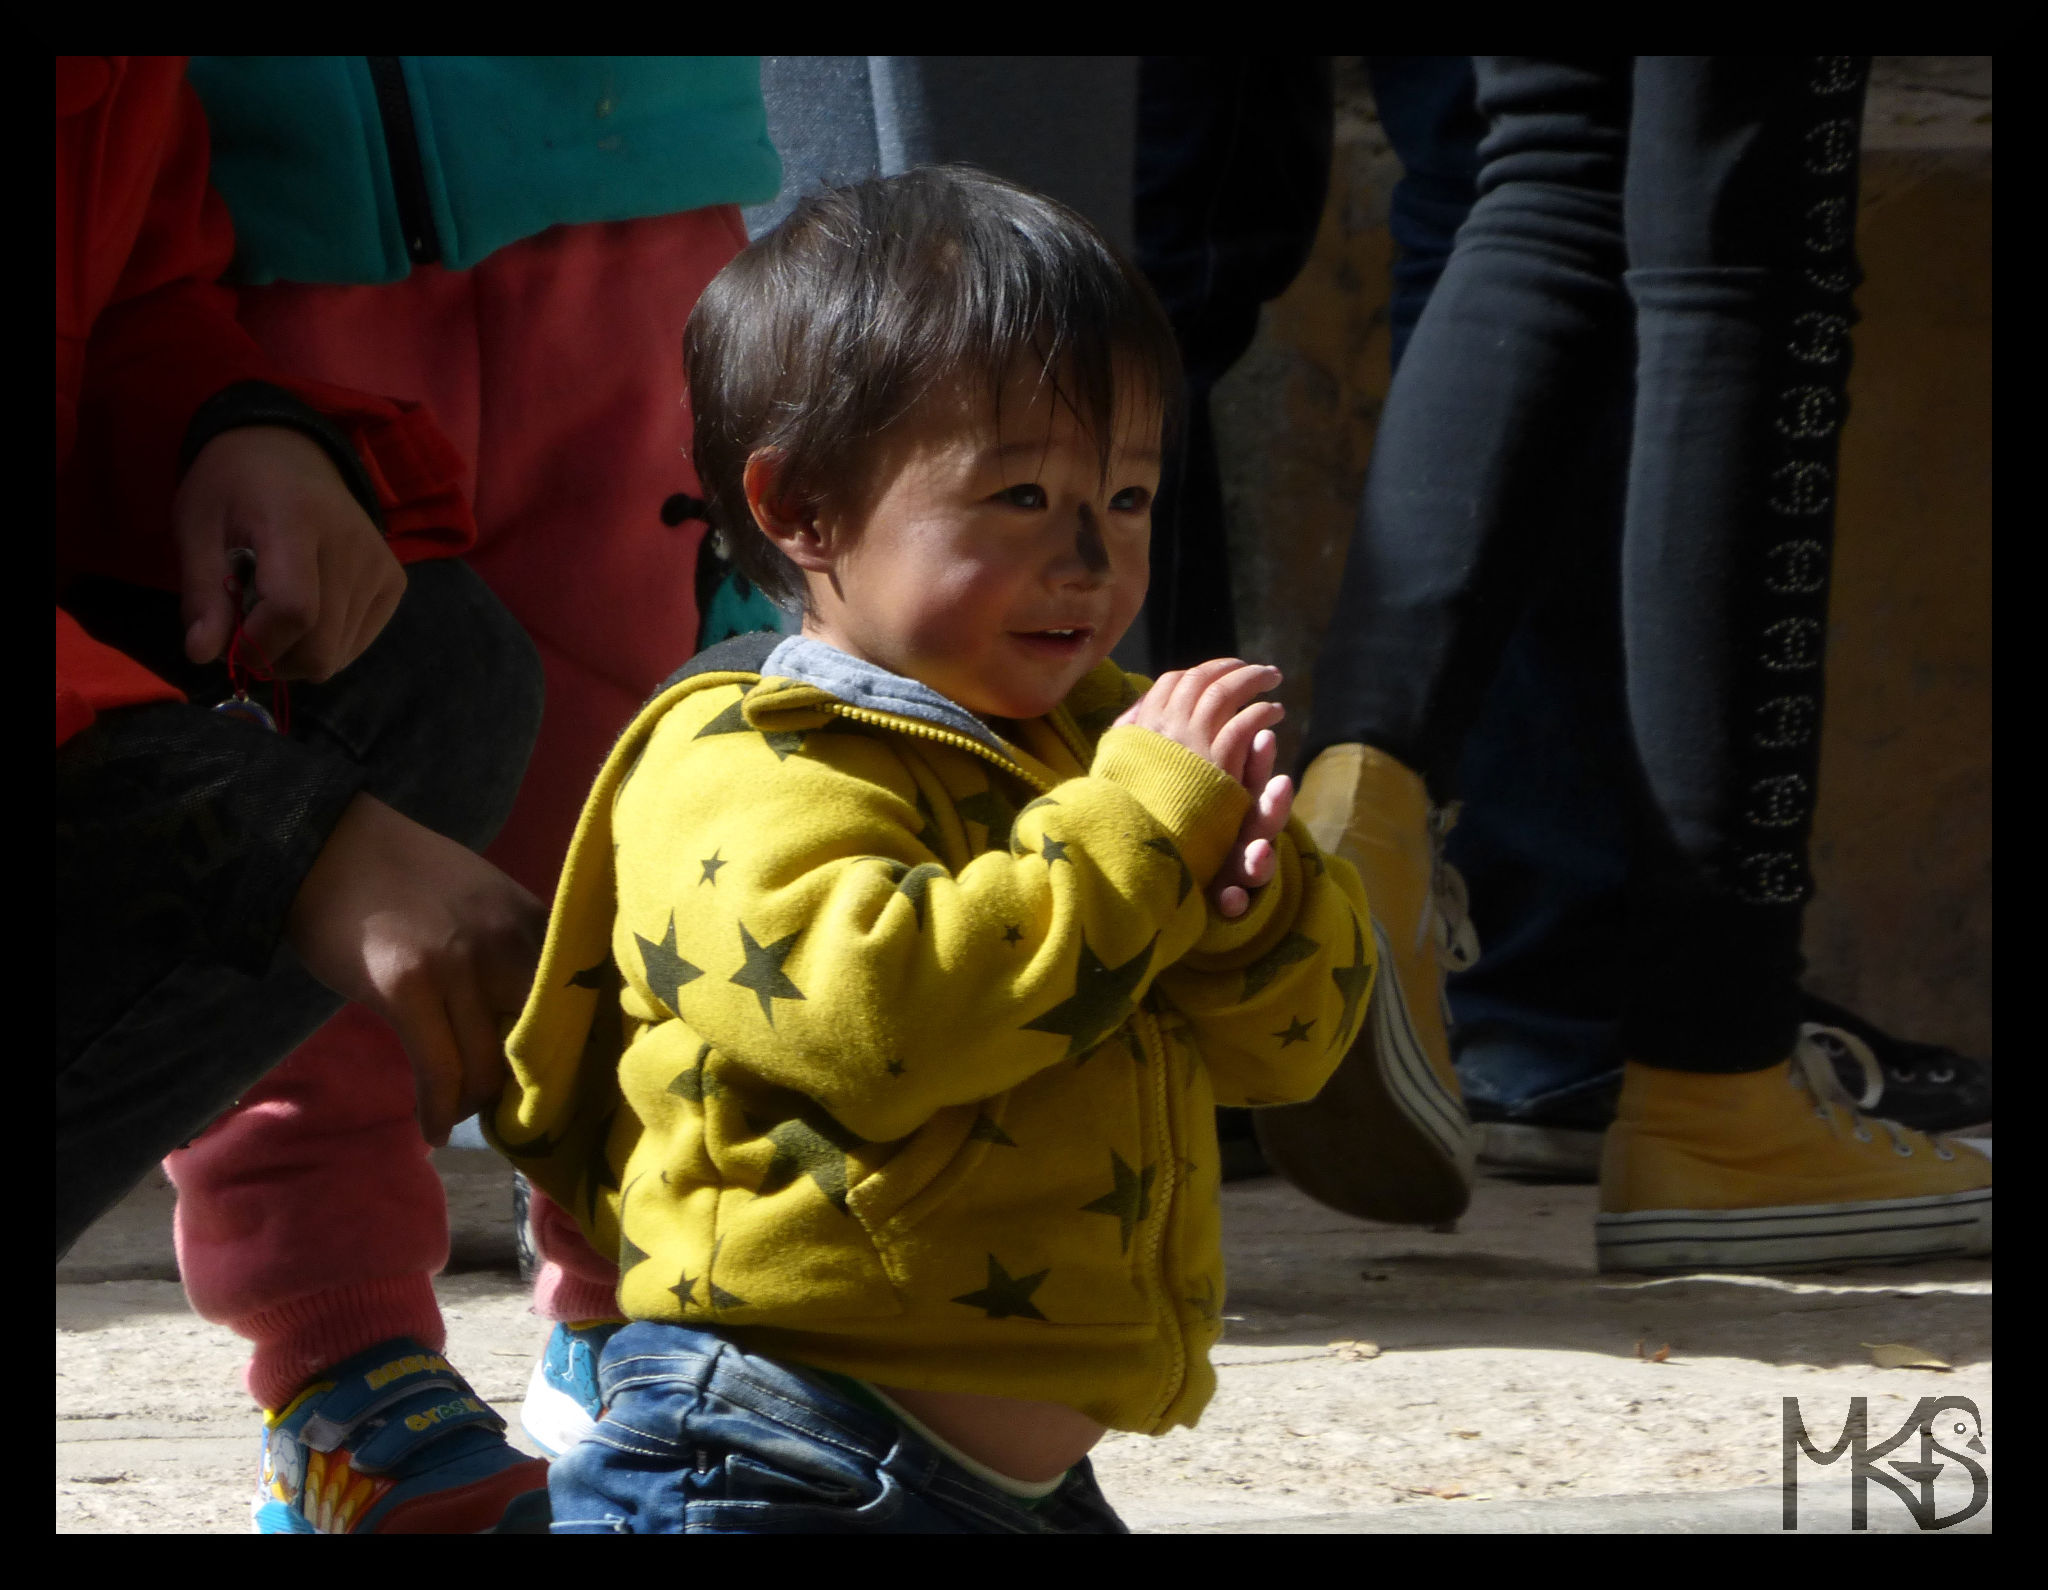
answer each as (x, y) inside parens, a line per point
(1054, 642)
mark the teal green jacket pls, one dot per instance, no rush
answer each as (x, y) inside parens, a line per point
(352, 168)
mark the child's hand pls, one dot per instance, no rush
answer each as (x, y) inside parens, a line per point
(1251, 860)
(1210, 709)
(326, 580)
(431, 937)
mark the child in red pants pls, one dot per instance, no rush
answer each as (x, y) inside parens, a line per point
(310, 1220)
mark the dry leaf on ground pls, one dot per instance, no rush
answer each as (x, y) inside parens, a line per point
(1899, 1355)
(1355, 1352)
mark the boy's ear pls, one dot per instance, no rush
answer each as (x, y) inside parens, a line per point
(794, 532)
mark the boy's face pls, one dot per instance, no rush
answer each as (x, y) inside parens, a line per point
(996, 570)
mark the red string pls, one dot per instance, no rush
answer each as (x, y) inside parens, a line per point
(242, 672)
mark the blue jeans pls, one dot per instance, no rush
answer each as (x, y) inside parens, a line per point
(701, 1437)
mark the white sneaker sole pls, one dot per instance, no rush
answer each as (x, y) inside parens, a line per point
(1797, 1236)
(1433, 1109)
(553, 1420)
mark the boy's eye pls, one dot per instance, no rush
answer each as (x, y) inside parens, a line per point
(1022, 496)
(1132, 499)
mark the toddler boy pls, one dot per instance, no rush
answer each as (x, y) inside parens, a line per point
(898, 966)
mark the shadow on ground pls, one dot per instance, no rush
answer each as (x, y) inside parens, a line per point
(1518, 1272)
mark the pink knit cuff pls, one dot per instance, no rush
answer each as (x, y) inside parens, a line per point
(573, 1280)
(297, 1340)
(559, 1295)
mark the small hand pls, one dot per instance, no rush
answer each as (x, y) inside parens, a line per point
(326, 581)
(431, 937)
(1210, 709)
(1252, 858)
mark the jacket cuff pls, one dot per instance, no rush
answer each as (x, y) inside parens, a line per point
(248, 403)
(1195, 801)
(1224, 936)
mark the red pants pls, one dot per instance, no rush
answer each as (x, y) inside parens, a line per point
(310, 1218)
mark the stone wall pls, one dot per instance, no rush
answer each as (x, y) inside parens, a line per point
(1902, 846)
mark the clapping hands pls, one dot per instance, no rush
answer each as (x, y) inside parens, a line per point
(1212, 710)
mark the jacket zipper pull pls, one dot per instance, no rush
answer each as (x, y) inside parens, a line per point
(402, 148)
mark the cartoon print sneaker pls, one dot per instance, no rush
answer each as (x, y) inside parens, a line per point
(394, 1442)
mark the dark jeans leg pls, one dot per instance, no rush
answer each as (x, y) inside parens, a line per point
(1485, 436)
(1740, 188)
(1428, 106)
(159, 1027)
(1741, 213)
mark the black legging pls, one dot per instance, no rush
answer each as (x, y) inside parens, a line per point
(1695, 214)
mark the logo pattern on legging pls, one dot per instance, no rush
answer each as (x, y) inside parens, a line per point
(1794, 553)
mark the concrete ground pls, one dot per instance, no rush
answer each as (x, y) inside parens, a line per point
(1372, 1378)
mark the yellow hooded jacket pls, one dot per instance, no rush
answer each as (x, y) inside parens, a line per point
(883, 1044)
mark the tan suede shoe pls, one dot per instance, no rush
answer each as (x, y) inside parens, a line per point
(1778, 1170)
(1387, 1138)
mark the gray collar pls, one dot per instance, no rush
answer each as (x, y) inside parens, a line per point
(860, 683)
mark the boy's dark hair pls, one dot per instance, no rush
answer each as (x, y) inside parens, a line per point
(835, 327)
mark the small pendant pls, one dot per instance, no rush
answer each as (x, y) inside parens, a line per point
(240, 706)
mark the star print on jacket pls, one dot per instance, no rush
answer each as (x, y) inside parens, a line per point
(601, 974)
(1100, 1001)
(817, 1151)
(666, 971)
(763, 972)
(630, 1252)
(1296, 1032)
(1006, 1296)
(928, 821)
(1054, 850)
(1294, 947)
(986, 1131)
(992, 811)
(912, 881)
(1129, 1198)
(721, 1299)
(695, 1083)
(711, 864)
(1167, 848)
(1352, 982)
(733, 720)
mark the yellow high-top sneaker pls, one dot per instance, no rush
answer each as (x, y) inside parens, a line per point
(1778, 1170)
(1387, 1138)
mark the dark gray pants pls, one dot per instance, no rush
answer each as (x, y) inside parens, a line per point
(183, 835)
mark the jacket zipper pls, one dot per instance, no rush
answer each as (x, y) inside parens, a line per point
(1159, 1258)
(1158, 1261)
(402, 146)
(885, 720)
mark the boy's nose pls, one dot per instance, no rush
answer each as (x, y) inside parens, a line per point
(1088, 545)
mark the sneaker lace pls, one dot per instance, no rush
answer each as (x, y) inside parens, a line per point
(1457, 941)
(1813, 1070)
(1839, 1041)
